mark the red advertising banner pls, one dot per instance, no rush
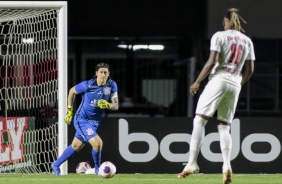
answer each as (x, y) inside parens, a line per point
(12, 138)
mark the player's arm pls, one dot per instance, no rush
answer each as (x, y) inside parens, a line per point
(115, 104)
(71, 96)
(205, 71)
(248, 71)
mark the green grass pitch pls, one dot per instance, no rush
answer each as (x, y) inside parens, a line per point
(138, 179)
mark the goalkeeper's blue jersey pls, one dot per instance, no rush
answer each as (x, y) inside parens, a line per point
(91, 94)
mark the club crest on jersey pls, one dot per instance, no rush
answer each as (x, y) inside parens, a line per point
(107, 90)
(90, 131)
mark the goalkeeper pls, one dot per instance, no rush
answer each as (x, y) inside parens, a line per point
(95, 95)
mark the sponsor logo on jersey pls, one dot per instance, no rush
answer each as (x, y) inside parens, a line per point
(93, 103)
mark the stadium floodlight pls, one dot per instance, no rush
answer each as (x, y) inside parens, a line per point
(33, 77)
(140, 46)
(27, 40)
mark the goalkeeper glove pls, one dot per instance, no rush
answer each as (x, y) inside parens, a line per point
(69, 115)
(103, 104)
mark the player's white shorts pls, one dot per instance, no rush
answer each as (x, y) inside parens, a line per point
(219, 95)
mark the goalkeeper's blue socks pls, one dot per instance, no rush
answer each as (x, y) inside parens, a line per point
(96, 155)
(69, 151)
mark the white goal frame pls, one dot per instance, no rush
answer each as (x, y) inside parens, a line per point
(62, 64)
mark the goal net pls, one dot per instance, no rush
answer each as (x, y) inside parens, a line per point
(29, 88)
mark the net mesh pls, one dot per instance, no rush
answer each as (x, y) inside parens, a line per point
(28, 90)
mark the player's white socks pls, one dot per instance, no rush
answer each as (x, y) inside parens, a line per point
(197, 139)
(225, 145)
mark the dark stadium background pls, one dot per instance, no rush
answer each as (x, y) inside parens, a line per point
(97, 27)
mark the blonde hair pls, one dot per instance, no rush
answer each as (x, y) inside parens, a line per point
(234, 19)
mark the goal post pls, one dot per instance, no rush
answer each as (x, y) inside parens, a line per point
(33, 84)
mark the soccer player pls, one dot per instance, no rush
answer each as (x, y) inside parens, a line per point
(95, 95)
(230, 65)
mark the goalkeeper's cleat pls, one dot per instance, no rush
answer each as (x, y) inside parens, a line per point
(92, 171)
(227, 176)
(189, 170)
(97, 172)
(56, 170)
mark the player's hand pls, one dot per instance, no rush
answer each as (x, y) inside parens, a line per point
(194, 88)
(69, 115)
(103, 104)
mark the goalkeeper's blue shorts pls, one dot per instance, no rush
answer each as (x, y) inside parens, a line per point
(85, 129)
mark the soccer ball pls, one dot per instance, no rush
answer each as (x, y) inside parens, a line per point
(82, 167)
(107, 169)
